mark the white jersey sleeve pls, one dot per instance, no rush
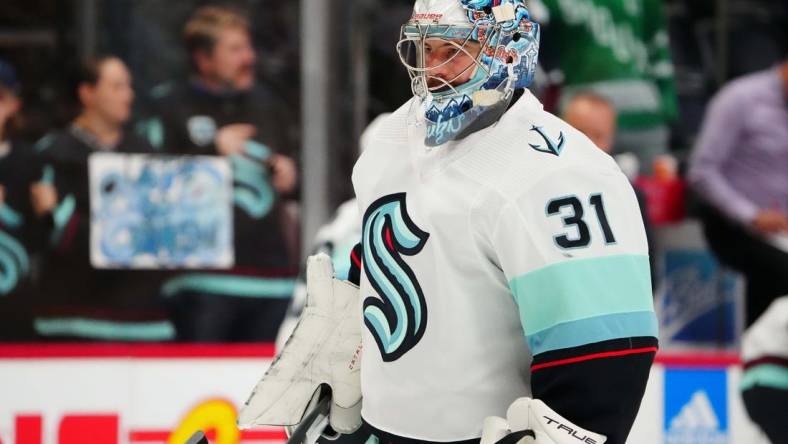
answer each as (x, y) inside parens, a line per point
(573, 249)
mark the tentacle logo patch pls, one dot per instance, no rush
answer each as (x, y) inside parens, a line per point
(397, 320)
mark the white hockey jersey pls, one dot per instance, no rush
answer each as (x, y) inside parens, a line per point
(520, 239)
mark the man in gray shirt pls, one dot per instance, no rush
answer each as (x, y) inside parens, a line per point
(740, 169)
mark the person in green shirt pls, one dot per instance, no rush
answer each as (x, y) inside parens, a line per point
(617, 49)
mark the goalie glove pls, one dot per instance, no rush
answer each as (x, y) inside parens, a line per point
(324, 350)
(531, 421)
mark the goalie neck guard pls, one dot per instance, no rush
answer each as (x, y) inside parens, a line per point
(465, 59)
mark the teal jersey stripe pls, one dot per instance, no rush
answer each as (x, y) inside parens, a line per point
(229, 285)
(765, 375)
(61, 216)
(105, 330)
(591, 330)
(581, 289)
(257, 150)
(48, 176)
(45, 142)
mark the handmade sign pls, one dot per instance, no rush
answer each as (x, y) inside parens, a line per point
(160, 212)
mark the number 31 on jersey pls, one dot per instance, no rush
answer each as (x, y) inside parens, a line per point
(572, 210)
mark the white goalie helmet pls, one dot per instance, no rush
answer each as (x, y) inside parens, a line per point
(465, 59)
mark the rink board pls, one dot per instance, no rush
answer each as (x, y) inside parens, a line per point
(110, 394)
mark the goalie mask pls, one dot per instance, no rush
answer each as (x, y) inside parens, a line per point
(465, 59)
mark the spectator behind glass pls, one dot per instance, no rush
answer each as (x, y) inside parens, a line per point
(78, 301)
(618, 50)
(17, 224)
(222, 111)
(595, 116)
(740, 169)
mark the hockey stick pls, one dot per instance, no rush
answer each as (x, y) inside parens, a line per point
(310, 429)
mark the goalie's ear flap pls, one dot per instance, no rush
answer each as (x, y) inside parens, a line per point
(354, 275)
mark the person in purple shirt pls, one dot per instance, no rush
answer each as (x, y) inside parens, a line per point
(740, 170)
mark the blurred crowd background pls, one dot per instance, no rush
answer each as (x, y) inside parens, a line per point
(689, 96)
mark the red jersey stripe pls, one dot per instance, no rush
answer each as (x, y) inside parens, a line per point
(576, 359)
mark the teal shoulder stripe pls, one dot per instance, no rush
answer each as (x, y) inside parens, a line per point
(765, 375)
(591, 330)
(161, 90)
(61, 216)
(105, 330)
(44, 143)
(229, 285)
(48, 175)
(582, 289)
(64, 211)
(257, 150)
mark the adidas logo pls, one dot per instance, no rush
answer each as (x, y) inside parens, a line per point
(696, 423)
(698, 413)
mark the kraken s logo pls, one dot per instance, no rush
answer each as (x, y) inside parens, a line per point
(397, 320)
